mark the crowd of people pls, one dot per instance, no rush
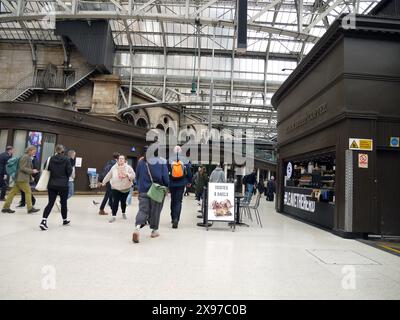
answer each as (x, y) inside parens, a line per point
(153, 177)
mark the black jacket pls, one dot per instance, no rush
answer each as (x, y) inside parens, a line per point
(60, 170)
(250, 179)
(4, 157)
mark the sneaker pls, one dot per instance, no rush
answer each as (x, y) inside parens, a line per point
(33, 210)
(175, 224)
(155, 234)
(66, 222)
(43, 226)
(124, 216)
(112, 219)
(7, 211)
(135, 237)
(103, 213)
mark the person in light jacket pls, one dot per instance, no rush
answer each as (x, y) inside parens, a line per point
(218, 175)
(121, 177)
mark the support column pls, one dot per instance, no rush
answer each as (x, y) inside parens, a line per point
(105, 95)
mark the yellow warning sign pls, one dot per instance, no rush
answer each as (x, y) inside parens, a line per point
(360, 144)
(354, 145)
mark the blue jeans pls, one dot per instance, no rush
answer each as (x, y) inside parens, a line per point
(129, 199)
(249, 193)
(176, 202)
(71, 189)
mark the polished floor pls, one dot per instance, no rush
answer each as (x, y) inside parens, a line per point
(94, 259)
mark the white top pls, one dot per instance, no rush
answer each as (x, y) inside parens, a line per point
(72, 176)
(117, 181)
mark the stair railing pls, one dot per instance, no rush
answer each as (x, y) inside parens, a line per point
(21, 86)
(77, 76)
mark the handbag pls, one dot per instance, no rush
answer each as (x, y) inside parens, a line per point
(44, 178)
(156, 191)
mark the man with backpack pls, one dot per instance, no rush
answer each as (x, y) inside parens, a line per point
(20, 170)
(179, 176)
(108, 196)
(4, 157)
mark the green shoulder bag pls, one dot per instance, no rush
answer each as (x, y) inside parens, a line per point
(156, 191)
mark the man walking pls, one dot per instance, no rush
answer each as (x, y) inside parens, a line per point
(22, 180)
(271, 189)
(35, 165)
(250, 181)
(108, 196)
(180, 176)
(4, 157)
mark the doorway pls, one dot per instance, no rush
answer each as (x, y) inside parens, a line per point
(389, 191)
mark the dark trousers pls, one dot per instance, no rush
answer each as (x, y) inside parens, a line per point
(3, 187)
(149, 211)
(107, 196)
(22, 202)
(118, 197)
(52, 199)
(176, 202)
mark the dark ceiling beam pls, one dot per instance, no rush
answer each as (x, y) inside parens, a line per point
(208, 52)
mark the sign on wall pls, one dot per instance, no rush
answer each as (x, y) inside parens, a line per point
(221, 202)
(299, 201)
(78, 162)
(289, 170)
(363, 160)
(360, 144)
(395, 142)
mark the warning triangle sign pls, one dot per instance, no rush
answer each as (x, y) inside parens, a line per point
(354, 145)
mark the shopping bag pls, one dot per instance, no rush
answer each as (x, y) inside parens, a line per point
(44, 178)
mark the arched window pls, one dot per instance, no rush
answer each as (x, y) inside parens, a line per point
(142, 123)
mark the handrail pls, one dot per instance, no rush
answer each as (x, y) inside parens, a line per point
(21, 86)
(75, 77)
(32, 81)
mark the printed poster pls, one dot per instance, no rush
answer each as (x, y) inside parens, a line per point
(221, 202)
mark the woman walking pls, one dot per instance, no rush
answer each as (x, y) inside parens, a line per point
(149, 171)
(60, 170)
(121, 177)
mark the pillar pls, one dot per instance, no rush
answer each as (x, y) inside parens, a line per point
(105, 95)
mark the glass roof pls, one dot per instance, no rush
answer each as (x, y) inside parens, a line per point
(167, 38)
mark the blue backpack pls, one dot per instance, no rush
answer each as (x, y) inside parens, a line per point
(12, 167)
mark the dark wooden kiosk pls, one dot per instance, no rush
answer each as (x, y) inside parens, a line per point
(347, 87)
(93, 138)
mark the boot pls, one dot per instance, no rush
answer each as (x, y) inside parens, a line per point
(103, 213)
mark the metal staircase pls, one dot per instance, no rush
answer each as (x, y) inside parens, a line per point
(25, 88)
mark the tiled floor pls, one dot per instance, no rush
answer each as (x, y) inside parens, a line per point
(93, 259)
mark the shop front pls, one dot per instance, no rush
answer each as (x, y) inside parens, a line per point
(309, 189)
(338, 131)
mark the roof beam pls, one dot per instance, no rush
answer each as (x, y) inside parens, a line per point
(322, 15)
(268, 7)
(204, 7)
(114, 15)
